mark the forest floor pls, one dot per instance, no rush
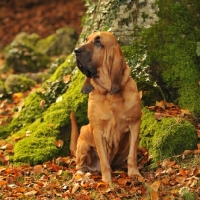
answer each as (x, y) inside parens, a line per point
(175, 178)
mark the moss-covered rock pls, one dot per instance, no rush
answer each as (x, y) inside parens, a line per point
(39, 125)
(62, 42)
(23, 58)
(51, 125)
(27, 39)
(18, 83)
(167, 137)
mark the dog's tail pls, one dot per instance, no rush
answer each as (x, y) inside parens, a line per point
(74, 134)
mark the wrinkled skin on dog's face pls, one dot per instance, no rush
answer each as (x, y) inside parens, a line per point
(85, 55)
(99, 57)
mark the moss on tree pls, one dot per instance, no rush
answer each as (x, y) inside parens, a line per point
(171, 52)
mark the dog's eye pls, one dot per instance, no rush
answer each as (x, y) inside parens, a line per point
(97, 42)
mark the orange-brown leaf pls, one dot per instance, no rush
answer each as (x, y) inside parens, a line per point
(42, 103)
(66, 78)
(122, 181)
(182, 172)
(154, 195)
(155, 185)
(59, 143)
(3, 183)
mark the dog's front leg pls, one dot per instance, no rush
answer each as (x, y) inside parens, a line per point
(132, 156)
(101, 150)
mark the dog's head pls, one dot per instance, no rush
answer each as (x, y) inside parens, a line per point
(101, 50)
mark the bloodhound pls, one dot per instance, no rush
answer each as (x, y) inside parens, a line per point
(114, 109)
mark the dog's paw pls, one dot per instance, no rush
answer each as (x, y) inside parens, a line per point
(134, 172)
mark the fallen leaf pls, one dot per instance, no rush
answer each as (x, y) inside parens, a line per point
(38, 169)
(155, 186)
(42, 103)
(59, 143)
(122, 181)
(75, 188)
(185, 111)
(187, 152)
(3, 183)
(198, 133)
(103, 187)
(158, 116)
(182, 172)
(180, 179)
(66, 78)
(31, 193)
(154, 195)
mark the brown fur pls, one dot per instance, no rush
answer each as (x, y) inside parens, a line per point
(114, 109)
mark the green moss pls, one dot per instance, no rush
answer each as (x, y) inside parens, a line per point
(65, 68)
(44, 44)
(18, 83)
(24, 58)
(135, 55)
(167, 137)
(60, 43)
(2, 89)
(5, 131)
(171, 47)
(30, 112)
(49, 125)
(34, 150)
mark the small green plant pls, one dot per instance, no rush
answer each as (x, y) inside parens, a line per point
(186, 194)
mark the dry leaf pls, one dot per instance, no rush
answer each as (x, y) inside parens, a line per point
(38, 169)
(186, 152)
(59, 143)
(158, 116)
(3, 183)
(122, 181)
(103, 187)
(185, 111)
(182, 172)
(42, 103)
(180, 179)
(66, 78)
(155, 186)
(198, 133)
(75, 188)
(154, 195)
(31, 193)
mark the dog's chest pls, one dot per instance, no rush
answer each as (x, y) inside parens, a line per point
(112, 109)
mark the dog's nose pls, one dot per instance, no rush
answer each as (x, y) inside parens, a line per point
(77, 51)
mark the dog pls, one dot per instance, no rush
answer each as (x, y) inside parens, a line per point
(114, 109)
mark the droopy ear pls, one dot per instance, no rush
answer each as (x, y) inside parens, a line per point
(117, 64)
(87, 86)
